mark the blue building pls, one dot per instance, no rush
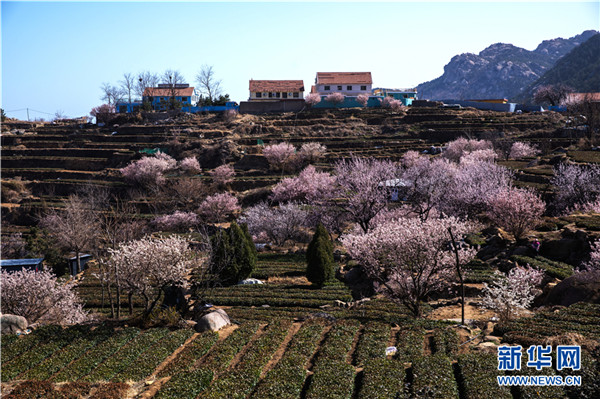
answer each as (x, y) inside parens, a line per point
(160, 96)
(407, 96)
(15, 265)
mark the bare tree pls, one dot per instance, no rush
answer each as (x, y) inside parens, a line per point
(553, 94)
(173, 78)
(586, 111)
(209, 85)
(75, 227)
(59, 114)
(128, 85)
(111, 94)
(144, 80)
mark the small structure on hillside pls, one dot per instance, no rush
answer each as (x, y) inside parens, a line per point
(83, 260)
(269, 90)
(160, 96)
(15, 265)
(347, 83)
(407, 96)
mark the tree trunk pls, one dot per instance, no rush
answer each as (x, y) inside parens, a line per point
(78, 262)
(130, 299)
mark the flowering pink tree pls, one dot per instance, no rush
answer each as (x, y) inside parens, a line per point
(149, 266)
(312, 152)
(310, 185)
(149, 170)
(408, 258)
(461, 146)
(508, 295)
(594, 262)
(278, 224)
(40, 298)
(216, 208)
(522, 150)
(222, 175)
(552, 94)
(312, 99)
(362, 99)
(392, 104)
(280, 156)
(516, 210)
(576, 185)
(177, 221)
(190, 165)
(335, 98)
(485, 155)
(363, 190)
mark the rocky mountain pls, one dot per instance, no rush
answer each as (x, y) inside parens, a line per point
(500, 71)
(579, 69)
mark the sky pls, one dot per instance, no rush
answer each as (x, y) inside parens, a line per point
(56, 55)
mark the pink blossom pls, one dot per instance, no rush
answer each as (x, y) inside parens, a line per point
(149, 170)
(102, 109)
(522, 150)
(40, 298)
(312, 99)
(516, 210)
(461, 146)
(216, 208)
(222, 175)
(393, 104)
(335, 98)
(485, 155)
(312, 152)
(278, 224)
(576, 185)
(190, 165)
(594, 262)
(362, 99)
(309, 185)
(177, 221)
(510, 294)
(280, 155)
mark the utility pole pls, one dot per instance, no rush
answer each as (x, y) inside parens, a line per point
(27, 114)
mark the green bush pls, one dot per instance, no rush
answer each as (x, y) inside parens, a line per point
(383, 379)
(478, 376)
(372, 342)
(445, 341)
(433, 377)
(552, 268)
(332, 379)
(187, 384)
(234, 254)
(319, 257)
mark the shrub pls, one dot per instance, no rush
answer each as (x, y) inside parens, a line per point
(312, 152)
(477, 378)
(312, 99)
(335, 98)
(190, 165)
(233, 255)
(554, 269)
(319, 257)
(280, 156)
(383, 379)
(148, 170)
(216, 208)
(222, 175)
(362, 99)
(434, 378)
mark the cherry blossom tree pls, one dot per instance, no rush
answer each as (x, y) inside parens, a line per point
(508, 295)
(461, 146)
(552, 94)
(522, 150)
(408, 259)
(362, 99)
(335, 98)
(310, 185)
(362, 188)
(516, 210)
(216, 208)
(576, 185)
(392, 104)
(594, 262)
(149, 266)
(190, 165)
(149, 170)
(177, 221)
(312, 152)
(485, 155)
(312, 99)
(222, 175)
(279, 224)
(280, 156)
(40, 298)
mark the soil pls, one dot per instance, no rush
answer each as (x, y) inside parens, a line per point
(453, 313)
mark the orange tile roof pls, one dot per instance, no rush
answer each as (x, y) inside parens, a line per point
(342, 78)
(167, 92)
(576, 97)
(276, 85)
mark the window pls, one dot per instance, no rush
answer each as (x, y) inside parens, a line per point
(277, 94)
(326, 88)
(183, 99)
(348, 87)
(339, 87)
(258, 95)
(296, 95)
(363, 87)
(270, 94)
(284, 95)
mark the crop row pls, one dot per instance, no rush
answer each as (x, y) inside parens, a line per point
(445, 341)
(92, 358)
(433, 377)
(372, 342)
(239, 382)
(33, 389)
(477, 377)
(13, 345)
(409, 343)
(286, 379)
(219, 358)
(552, 268)
(190, 354)
(125, 357)
(383, 379)
(269, 300)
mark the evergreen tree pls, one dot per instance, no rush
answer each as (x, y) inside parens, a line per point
(319, 257)
(243, 250)
(234, 255)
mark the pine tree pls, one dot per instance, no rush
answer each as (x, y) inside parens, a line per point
(319, 257)
(243, 250)
(234, 255)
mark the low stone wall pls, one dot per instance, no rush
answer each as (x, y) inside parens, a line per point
(265, 107)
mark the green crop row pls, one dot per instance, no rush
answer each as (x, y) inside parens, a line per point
(240, 382)
(92, 358)
(538, 392)
(219, 358)
(286, 379)
(433, 377)
(409, 344)
(332, 379)
(383, 379)
(270, 300)
(338, 342)
(445, 341)
(552, 268)
(126, 357)
(186, 384)
(190, 354)
(478, 377)
(13, 345)
(372, 342)
(148, 361)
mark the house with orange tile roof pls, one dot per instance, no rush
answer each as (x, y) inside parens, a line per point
(347, 83)
(159, 96)
(261, 90)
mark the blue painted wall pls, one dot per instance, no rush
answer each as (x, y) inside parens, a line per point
(350, 102)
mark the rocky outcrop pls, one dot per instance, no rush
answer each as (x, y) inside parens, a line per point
(213, 321)
(12, 324)
(581, 287)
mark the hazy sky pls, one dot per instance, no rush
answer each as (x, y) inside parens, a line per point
(55, 55)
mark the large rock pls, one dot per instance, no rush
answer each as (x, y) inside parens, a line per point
(581, 287)
(213, 321)
(12, 324)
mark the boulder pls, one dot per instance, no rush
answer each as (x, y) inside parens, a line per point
(581, 287)
(250, 281)
(213, 321)
(12, 324)
(562, 250)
